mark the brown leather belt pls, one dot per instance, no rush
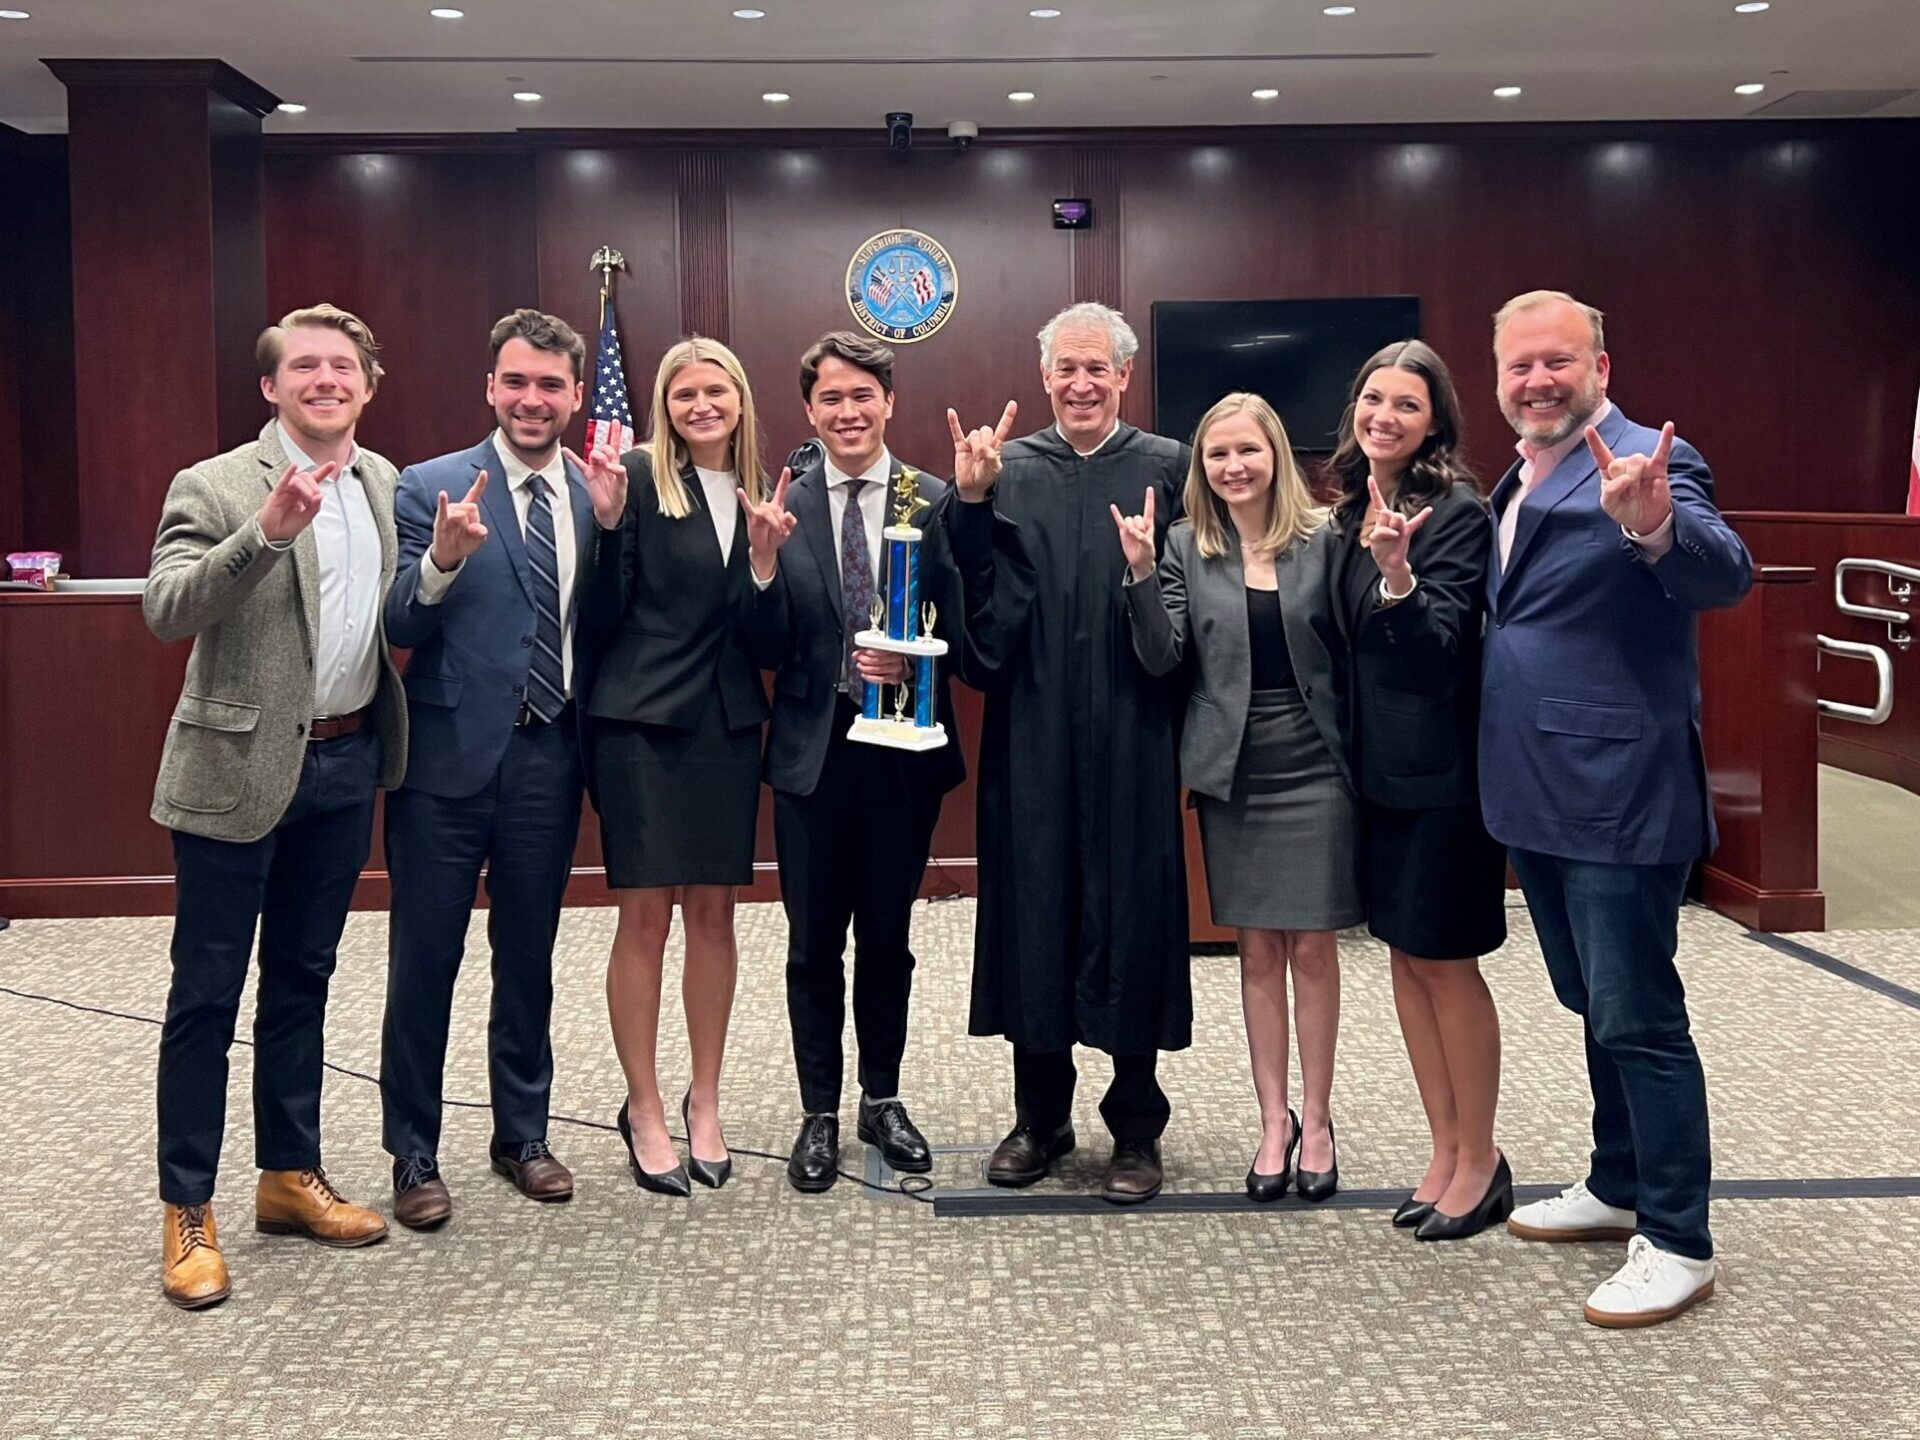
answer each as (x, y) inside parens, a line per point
(332, 727)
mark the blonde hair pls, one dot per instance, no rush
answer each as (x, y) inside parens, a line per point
(1534, 299)
(272, 344)
(668, 452)
(1291, 512)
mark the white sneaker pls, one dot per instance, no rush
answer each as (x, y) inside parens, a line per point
(1653, 1285)
(1573, 1214)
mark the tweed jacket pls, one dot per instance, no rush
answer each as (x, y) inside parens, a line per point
(239, 733)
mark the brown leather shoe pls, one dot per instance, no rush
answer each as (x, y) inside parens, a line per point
(1026, 1155)
(1133, 1174)
(534, 1171)
(304, 1202)
(193, 1272)
(421, 1200)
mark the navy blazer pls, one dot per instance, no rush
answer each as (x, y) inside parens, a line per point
(471, 652)
(1590, 686)
(799, 626)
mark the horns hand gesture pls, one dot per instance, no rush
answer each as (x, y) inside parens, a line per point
(1391, 539)
(457, 528)
(976, 454)
(769, 523)
(1136, 537)
(1633, 488)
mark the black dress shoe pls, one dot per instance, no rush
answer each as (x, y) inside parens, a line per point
(1411, 1212)
(1026, 1155)
(1495, 1206)
(886, 1127)
(669, 1182)
(815, 1162)
(1133, 1174)
(1268, 1188)
(710, 1173)
(1318, 1185)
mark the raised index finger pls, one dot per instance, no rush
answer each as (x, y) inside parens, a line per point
(780, 490)
(953, 424)
(1599, 448)
(1664, 448)
(478, 489)
(1146, 512)
(1005, 427)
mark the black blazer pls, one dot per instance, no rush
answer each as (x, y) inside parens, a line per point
(1415, 689)
(798, 629)
(667, 620)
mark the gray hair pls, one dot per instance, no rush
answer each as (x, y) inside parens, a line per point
(1534, 299)
(1091, 315)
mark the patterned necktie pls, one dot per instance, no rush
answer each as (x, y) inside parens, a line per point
(546, 677)
(856, 577)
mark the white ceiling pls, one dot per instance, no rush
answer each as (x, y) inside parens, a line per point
(387, 66)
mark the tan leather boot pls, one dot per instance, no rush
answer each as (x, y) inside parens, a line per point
(193, 1272)
(304, 1202)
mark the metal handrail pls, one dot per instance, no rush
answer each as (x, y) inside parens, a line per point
(1900, 583)
(1882, 707)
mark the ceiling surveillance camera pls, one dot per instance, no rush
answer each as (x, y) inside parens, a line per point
(899, 130)
(963, 133)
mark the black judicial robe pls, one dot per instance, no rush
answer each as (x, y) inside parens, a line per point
(1081, 933)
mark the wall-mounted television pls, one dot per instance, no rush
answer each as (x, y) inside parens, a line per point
(1300, 354)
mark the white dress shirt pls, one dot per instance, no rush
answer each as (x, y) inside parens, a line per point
(346, 662)
(873, 507)
(1083, 454)
(723, 504)
(435, 582)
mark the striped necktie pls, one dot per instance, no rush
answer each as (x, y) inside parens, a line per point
(547, 676)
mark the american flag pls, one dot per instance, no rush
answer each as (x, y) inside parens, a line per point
(879, 290)
(609, 421)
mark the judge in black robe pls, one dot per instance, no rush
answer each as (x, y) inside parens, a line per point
(1081, 933)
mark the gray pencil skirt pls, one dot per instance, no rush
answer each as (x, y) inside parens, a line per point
(1283, 853)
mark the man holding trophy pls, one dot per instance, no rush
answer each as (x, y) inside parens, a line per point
(862, 746)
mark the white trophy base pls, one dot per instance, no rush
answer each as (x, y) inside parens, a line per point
(880, 640)
(898, 734)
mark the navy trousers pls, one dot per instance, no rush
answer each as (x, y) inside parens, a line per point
(295, 884)
(521, 827)
(1609, 934)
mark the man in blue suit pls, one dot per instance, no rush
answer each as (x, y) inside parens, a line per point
(484, 599)
(1591, 773)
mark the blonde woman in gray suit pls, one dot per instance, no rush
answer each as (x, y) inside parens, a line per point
(1242, 595)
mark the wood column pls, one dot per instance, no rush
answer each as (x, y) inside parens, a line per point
(1758, 668)
(169, 284)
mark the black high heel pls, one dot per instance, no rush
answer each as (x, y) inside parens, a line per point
(1495, 1206)
(1265, 1189)
(669, 1182)
(711, 1173)
(1318, 1185)
(1411, 1213)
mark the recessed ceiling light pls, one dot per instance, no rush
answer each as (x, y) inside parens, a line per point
(526, 97)
(1752, 87)
(14, 15)
(1751, 7)
(1338, 10)
(1507, 92)
(1020, 97)
(447, 12)
(1044, 14)
(287, 107)
(749, 14)
(1266, 93)
(776, 97)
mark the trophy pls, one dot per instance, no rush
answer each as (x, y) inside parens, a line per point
(900, 623)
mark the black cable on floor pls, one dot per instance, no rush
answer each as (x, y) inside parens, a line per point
(914, 1187)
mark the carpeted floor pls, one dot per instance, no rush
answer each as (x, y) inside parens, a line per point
(755, 1311)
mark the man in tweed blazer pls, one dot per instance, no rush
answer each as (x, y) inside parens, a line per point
(275, 558)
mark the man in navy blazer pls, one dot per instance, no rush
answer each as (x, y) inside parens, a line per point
(1591, 773)
(484, 599)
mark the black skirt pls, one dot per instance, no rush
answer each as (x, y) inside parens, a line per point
(677, 807)
(1436, 882)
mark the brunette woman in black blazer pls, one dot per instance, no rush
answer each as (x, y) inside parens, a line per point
(1410, 583)
(676, 707)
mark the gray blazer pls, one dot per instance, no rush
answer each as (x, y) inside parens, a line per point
(234, 750)
(1194, 598)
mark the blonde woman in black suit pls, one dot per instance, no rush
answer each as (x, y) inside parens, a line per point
(1242, 595)
(676, 707)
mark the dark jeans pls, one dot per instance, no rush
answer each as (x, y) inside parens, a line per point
(852, 852)
(1609, 933)
(1134, 1107)
(295, 883)
(521, 826)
